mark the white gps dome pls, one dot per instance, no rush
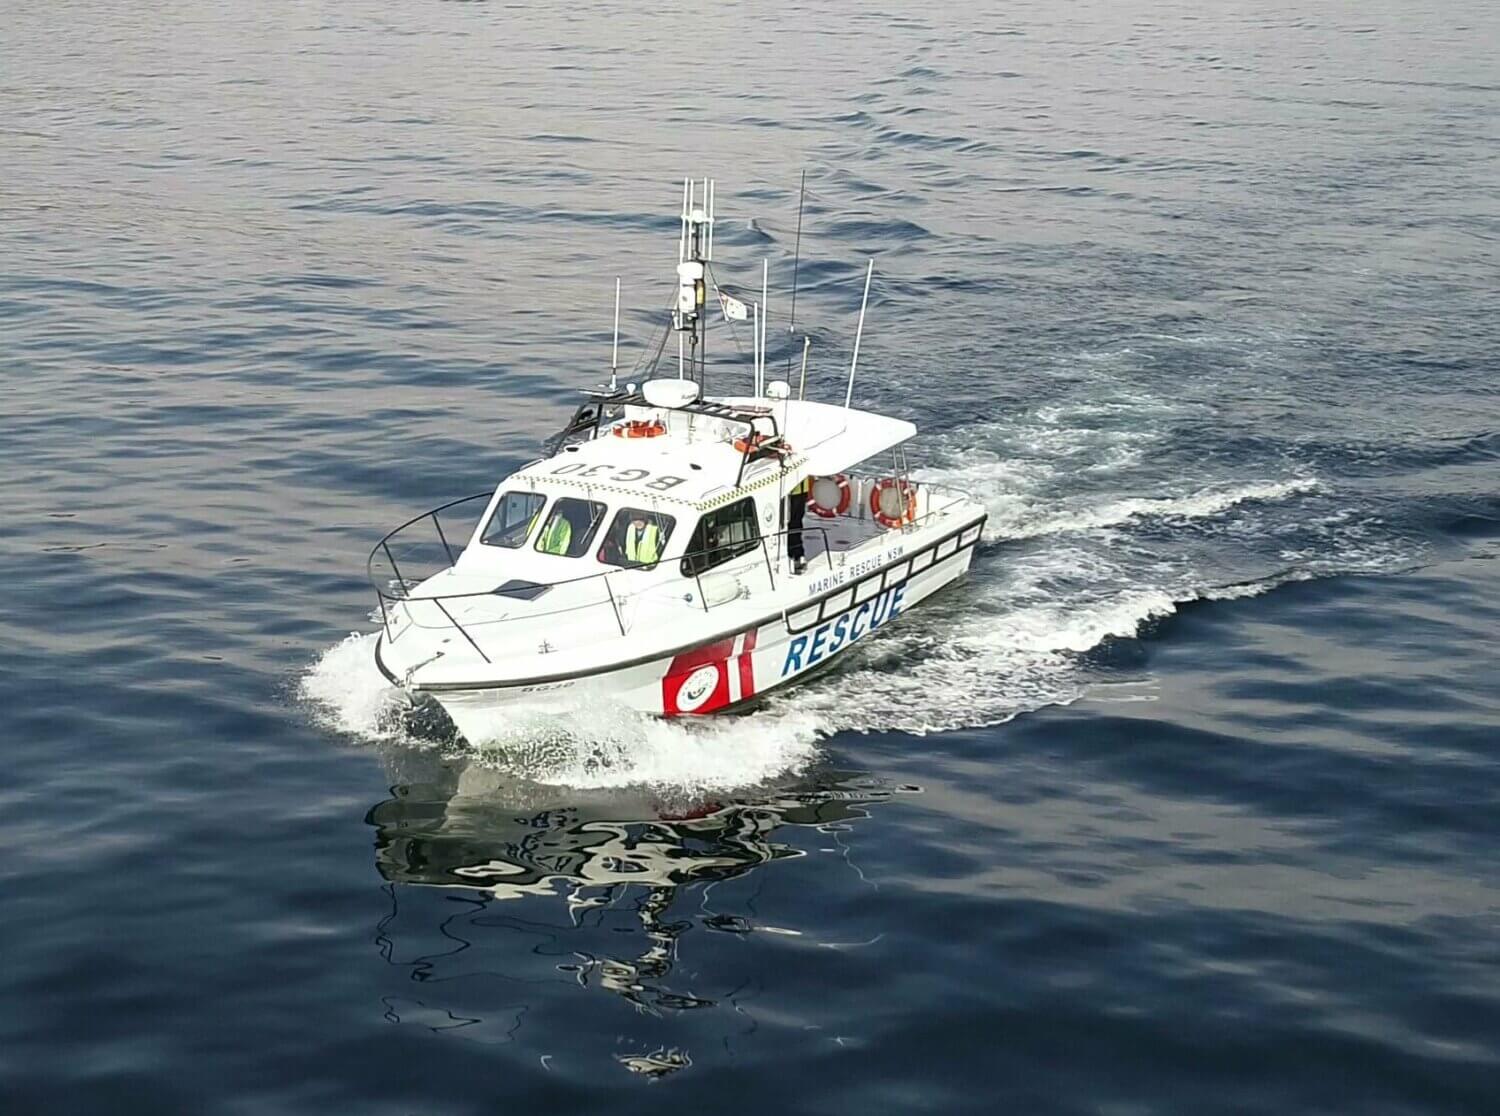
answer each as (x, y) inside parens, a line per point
(669, 393)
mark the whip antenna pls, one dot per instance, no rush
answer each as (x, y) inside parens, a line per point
(859, 333)
(614, 354)
(791, 325)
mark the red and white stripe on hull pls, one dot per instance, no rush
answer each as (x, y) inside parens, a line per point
(711, 677)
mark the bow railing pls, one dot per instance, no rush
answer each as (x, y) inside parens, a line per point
(403, 562)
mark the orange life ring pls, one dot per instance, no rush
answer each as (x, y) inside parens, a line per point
(829, 511)
(641, 428)
(905, 493)
(753, 442)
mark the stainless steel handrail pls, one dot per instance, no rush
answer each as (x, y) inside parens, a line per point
(385, 593)
(432, 514)
(403, 596)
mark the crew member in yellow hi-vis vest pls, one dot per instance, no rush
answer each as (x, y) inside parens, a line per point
(796, 508)
(642, 542)
(557, 536)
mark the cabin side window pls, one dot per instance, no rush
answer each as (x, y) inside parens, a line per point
(722, 535)
(636, 538)
(570, 527)
(512, 519)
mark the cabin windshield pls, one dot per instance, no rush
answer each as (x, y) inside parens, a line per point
(512, 520)
(570, 527)
(637, 537)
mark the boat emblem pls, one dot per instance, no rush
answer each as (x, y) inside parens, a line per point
(697, 688)
(710, 677)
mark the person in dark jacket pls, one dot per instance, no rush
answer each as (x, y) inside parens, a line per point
(796, 509)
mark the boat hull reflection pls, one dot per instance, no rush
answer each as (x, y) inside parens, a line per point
(615, 883)
(477, 830)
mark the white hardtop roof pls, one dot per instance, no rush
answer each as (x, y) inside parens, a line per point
(695, 461)
(830, 439)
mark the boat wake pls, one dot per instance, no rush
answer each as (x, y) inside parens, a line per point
(1079, 515)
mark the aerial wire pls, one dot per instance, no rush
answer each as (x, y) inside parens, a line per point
(791, 325)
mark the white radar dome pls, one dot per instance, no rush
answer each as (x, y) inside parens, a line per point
(669, 393)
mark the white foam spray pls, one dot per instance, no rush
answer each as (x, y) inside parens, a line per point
(593, 746)
(350, 694)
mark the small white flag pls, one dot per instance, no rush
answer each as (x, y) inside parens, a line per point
(734, 309)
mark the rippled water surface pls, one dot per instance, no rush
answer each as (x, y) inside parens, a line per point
(1186, 801)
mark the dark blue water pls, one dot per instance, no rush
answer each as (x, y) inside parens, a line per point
(1187, 801)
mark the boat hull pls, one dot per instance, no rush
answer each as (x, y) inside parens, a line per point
(734, 667)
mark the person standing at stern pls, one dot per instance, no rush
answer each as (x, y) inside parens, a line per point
(796, 509)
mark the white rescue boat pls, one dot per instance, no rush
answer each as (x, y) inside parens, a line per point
(677, 553)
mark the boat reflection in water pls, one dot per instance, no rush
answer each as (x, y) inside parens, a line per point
(551, 887)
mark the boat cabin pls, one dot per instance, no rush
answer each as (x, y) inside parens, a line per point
(698, 486)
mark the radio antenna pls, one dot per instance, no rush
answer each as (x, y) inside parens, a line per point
(791, 324)
(614, 354)
(859, 333)
(765, 315)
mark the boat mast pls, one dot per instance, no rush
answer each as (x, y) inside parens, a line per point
(694, 251)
